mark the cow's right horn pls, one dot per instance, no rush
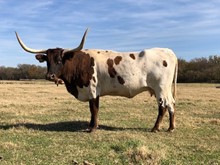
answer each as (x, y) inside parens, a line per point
(80, 45)
(28, 49)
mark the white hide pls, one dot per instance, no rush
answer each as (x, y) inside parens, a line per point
(146, 71)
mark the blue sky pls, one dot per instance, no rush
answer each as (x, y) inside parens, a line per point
(190, 28)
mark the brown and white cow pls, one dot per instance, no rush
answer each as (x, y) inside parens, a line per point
(91, 73)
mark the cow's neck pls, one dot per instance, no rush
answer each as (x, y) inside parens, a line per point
(71, 88)
(77, 72)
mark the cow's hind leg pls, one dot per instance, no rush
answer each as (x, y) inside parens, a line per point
(94, 108)
(161, 111)
(171, 111)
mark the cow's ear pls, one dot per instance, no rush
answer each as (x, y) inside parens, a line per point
(41, 57)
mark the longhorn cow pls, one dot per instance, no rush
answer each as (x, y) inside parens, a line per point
(89, 74)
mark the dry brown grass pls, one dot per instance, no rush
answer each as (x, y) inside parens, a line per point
(43, 124)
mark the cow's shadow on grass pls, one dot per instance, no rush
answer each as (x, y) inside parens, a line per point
(67, 126)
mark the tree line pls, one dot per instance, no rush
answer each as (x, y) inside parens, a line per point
(196, 70)
(199, 70)
(22, 71)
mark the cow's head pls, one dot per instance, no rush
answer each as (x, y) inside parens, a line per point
(55, 58)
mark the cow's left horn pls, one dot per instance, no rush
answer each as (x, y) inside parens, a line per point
(28, 49)
(80, 45)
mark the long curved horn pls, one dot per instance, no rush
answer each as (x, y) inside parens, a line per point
(28, 49)
(80, 45)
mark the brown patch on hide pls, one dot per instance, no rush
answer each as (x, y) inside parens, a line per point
(117, 60)
(165, 63)
(141, 54)
(132, 56)
(94, 79)
(121, 80)
(111, 70)
(110, 62)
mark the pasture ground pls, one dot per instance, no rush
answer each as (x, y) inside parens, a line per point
(43, 124)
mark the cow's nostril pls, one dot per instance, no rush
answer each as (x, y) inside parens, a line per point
(52, 76)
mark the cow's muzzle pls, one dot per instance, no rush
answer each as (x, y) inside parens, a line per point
(50, 77)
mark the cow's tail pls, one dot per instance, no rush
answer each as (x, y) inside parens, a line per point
(175, 80)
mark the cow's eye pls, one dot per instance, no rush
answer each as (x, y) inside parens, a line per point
(59, 61)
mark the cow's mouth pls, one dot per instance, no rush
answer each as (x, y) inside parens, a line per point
(59, 81)
(55, 79)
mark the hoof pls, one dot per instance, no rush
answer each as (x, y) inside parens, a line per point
(91, 129)
(170, 130)
(155, 130)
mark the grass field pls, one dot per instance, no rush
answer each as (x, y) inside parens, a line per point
(43, 124)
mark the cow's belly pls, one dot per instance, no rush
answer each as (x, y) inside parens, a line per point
(112, 87)
(119, 90)
(131, 87)
(124, 93)
(86, 93)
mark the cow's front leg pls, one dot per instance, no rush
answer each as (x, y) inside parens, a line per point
(161, 113)
(94, 108)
